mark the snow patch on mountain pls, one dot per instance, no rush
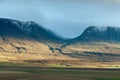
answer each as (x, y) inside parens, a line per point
(102, 28)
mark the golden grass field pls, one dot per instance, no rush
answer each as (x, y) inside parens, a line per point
(33, 60)
(35, 53)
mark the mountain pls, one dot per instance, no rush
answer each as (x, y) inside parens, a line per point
(99, 44)
(30, 43)
(93, 33)
(18, 36)
(17, 28)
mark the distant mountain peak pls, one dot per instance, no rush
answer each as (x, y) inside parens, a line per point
(94, 33)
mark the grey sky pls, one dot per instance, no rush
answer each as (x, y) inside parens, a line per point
(67, 18)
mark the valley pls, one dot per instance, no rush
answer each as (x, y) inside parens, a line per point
(27, 43)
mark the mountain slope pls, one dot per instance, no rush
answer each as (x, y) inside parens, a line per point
(19, 31)
(15, 40)
(29, 43)
(95, 43)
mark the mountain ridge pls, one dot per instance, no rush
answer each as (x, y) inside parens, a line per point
(30, 28)
(94, 33)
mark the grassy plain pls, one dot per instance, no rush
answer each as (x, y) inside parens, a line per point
(45, 73)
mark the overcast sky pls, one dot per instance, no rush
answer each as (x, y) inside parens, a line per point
(67, 18)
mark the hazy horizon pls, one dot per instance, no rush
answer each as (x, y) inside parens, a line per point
(68, 18)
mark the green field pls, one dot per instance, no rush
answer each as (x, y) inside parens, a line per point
(45, 73)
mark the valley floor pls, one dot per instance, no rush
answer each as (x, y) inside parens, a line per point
(44, 73)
